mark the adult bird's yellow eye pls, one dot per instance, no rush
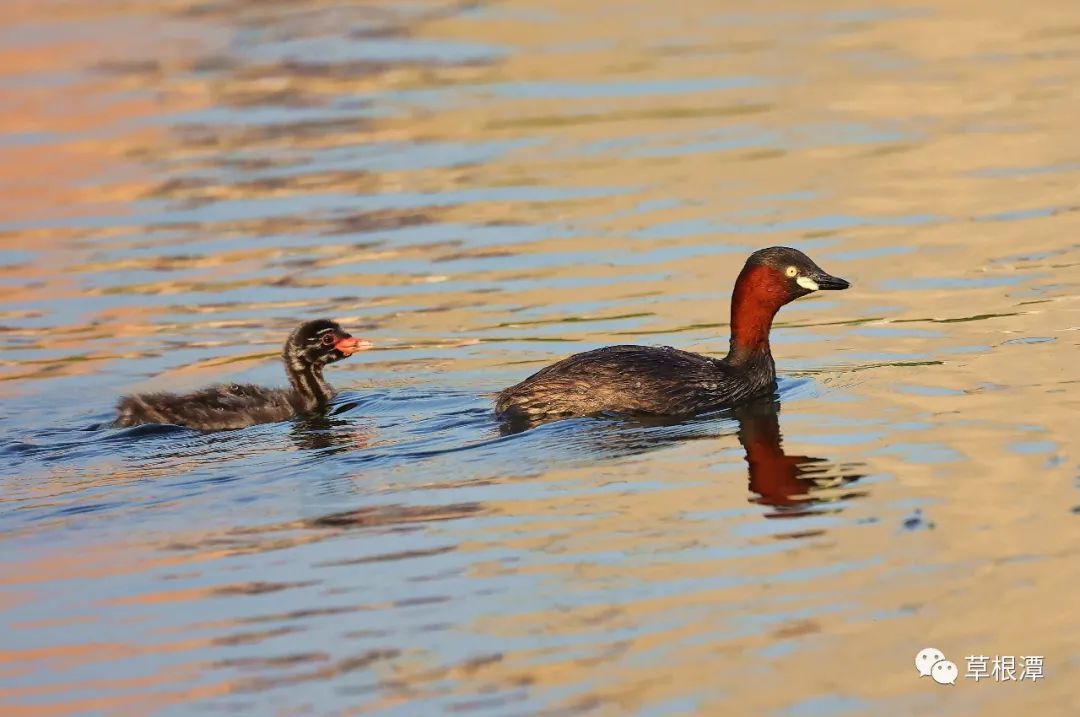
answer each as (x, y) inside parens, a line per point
(791, 272)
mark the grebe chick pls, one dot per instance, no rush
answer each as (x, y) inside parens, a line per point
(666, 381)
(309, 348)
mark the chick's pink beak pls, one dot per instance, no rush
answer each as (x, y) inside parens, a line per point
(350, 345)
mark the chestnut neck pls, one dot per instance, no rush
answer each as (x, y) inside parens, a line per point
(310, 390)
(759, 293)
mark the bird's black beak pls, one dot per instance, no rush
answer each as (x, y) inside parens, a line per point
(828, 282)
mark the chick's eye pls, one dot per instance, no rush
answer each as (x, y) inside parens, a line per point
(327, 339)
(791, 271)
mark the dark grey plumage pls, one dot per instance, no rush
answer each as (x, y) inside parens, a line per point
(666, 381)
(309, 348)
(634, 379)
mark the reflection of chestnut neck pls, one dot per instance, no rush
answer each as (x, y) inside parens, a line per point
(774, 476)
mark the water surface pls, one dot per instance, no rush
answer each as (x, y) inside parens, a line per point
(481, 189)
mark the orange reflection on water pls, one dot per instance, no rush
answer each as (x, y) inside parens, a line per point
(483, 189)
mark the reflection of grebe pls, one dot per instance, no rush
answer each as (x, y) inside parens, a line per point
(308, 349)
(665, 381)
(333, 435)
(779, 479)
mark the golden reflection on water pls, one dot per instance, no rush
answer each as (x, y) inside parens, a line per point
(481, 189)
